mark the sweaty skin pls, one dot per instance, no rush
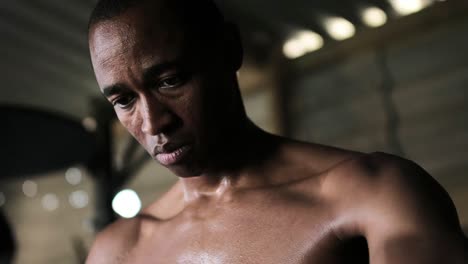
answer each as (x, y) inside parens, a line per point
(243, 195)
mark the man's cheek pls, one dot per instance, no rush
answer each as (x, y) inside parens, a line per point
(132, 126)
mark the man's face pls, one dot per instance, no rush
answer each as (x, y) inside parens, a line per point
(163, 90)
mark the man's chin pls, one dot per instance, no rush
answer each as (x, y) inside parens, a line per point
(184, 171)
(185, 168)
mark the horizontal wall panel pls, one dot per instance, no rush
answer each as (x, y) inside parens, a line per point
(335, 84)
(429, 52)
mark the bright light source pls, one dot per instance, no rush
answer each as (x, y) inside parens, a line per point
(73, 176)
(2, 199)
(78, 199)
(89, 124)
(374, 16)
(293, 49)
(302, 42)
(310, 40)
(339, 28)
(50, 202)
(126, 203)
(29, 189)
(406, 7)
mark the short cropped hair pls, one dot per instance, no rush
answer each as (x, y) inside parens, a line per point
(202, 13)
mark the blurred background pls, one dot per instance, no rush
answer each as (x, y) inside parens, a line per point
(368, 75)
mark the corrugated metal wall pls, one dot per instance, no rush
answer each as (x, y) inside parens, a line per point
(409, 96)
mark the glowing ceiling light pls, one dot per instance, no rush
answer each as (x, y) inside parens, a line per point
(406, 7)
(374, 17)
(310, 40)
(292, 49)
(73, 176)
(126, 203)
(339, 28)
(78, 199)
(50, 202)
(30, 189)
(302, 42)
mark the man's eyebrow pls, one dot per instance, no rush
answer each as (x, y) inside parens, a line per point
(148, 73)
(113, 90)
(159, 68)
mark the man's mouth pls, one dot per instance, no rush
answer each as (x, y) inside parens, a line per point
(168, 158)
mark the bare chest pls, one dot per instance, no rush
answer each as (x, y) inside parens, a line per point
(260, 233)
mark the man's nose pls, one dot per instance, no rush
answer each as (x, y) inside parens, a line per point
(156, 117)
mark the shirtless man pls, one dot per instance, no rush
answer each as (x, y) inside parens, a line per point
(243, 195)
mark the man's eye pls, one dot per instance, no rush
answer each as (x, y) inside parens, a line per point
(170, 82)
(123, 102)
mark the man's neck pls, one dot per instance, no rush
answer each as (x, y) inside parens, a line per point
(237, 168)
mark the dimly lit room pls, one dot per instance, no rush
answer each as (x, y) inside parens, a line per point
(365, 76)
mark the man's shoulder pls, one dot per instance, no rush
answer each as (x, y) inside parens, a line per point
(114, 242)
(342, 174)
(377, 172)
(396, 205)
(316, 159)
(379, 169)
(380, 189)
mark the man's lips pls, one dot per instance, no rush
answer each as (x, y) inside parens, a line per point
(173, 156)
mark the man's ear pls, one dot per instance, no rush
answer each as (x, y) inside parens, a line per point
(233, 50)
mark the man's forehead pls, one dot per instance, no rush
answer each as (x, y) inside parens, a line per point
(116, 37)
(111, 36)
(149, 16)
